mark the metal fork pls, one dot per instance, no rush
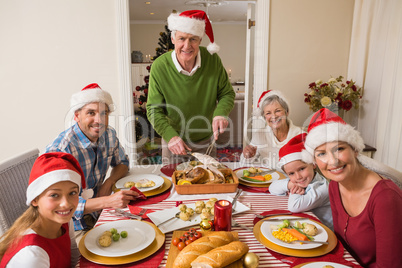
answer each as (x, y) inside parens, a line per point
(120, 212)
(236, 224)
(210, 147)
(142, 212)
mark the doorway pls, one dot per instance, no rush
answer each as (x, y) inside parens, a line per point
(127, 130)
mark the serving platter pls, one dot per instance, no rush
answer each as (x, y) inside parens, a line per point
(276, 175)
(156, 244)
(184, 165)
(158, 217)
(173, 251)
(137, 177)
(266, 231)
(313, 252)
(140, 236)
(207, 188)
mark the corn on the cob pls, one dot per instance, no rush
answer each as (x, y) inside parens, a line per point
(284, 236)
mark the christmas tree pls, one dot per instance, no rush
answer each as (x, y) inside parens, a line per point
(165, 43)
(143, 127)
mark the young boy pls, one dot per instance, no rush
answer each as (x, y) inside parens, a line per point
(307, 189)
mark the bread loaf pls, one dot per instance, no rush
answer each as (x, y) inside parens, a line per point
(221, 256)
(201, 246)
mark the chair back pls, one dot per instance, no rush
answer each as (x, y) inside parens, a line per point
(14, 176)
(382, 169)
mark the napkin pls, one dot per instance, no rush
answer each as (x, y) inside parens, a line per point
(151, 199)
(135, 210)
(336, 255)
(254, 189)
(140, 195)
(150, 262)
(168, 170)
(278, 211)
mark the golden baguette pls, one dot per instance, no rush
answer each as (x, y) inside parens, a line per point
(201, 246)
(221, 256)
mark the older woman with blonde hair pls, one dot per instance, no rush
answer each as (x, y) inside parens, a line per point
(366, 206)
(266, 142)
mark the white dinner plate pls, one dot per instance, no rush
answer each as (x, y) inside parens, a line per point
(175, 224)
(140, 236)
(266, 231)
(321, 264)
(137, 177)
(275, 175)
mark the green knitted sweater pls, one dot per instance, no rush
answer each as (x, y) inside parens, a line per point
(181, 105)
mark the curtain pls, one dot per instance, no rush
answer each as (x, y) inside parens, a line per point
(375, 62)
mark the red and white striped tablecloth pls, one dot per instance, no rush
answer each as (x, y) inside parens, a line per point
(258, 204)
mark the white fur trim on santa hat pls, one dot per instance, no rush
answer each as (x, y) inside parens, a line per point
(82, 98)
(186, 25)
(330, 132)
(289, 158)
(213, 48)
(307, 157)
(43, 182)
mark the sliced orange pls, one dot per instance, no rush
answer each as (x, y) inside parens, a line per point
(183, 182)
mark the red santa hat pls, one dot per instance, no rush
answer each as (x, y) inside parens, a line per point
(51, 168)
(91, 93)
(193, 22)
(326, 126)
(266, 94)
(291, 151)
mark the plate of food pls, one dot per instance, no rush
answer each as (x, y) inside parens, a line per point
(282, 230)
(119, 238)
(144, 182)
(257, 175)
(158, 242)
(168, 220)
(322, 264)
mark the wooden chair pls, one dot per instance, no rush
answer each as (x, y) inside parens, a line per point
(382, 169)
(14, 176)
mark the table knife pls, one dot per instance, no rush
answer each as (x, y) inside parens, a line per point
(261, 173)
(290, 219)
(310, 242)
(121, 212)
(270, 215)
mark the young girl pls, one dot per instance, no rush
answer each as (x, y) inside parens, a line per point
(366, 207)
(307, 189)
(43, 236)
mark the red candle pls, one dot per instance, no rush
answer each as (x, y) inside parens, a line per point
(223, 215)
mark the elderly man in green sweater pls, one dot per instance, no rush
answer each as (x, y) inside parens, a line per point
(190, 95)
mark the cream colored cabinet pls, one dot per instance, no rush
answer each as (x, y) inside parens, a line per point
(138, 72)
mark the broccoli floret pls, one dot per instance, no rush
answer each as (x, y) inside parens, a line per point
(299, 225)
(284, 224)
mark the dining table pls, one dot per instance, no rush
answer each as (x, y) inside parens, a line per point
(257, 201)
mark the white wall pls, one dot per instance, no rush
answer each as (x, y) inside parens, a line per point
(309, 40)
(230, 37)
(50, 50)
